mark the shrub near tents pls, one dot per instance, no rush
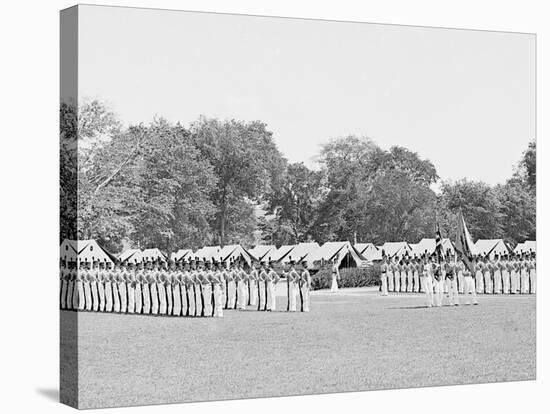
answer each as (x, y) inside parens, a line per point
(349, 277)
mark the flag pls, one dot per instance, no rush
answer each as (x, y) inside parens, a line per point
(439, 244)
(464, 244)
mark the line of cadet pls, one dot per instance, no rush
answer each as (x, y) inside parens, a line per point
(504, 274)
(197, 288)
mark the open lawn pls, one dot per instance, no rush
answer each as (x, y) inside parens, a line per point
(350, 341)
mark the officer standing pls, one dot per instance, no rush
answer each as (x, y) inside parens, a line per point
(305, 285)
(427, 275)
(384, 274)
(100, 277)
(470, 296)
(130, 277)
(292, 280)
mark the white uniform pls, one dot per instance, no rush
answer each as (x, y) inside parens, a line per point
(101, 289)
(469, 287)
(479, 277)
(93, 287)
(451, 276)
(428, 279)
(87, 290)
(391, 288)
(384, 278)
(79, 297)
(108, 290)
(410, 269)
(241, 278)
(272, 280)
(497, 276)
(62, 288)
(438, 285)
(292, 280)
(305, 284)
(131, 290)
(217, 280)
(253, 285)
(532, 275)
(335, 277)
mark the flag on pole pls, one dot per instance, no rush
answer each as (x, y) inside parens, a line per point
(439, 244)
(464, 244)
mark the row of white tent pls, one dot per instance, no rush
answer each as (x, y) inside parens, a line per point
(345, 254)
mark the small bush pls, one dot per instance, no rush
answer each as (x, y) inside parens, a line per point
(349, 277)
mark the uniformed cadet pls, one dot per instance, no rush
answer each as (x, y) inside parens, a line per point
(469, 285)
(524, 269)
(86, 285)
(438, 284)
(305, 285)
(161, 288)
(71, 276)
(532, 265)
(176, 276)
(403, 275)
(63, 283)
(108, 288)
(241, 280)
(253, 284)
(396, 274)
(189, 306)
(194, 292)
(207, 289)
(416, 274)
(427, 275)
(409, 274)
(514, 275)
(262, 289)
(390, 275)
(384, 275)
(231, 286)
(92, 277)
(146, 278)
(292, 277)
(487, 276)
(115, 275)
(130, 277)
(78, 293)
(421, 267)
(153, 288)
(170, 287)
(452, 277)
(199, 292)
(100, 277)
(217, 283)
(272, 280)
(497, 275)
(122, 287)
(460, 274)
(479, 275)
(140, 280)
(505, 271)
(335, 276)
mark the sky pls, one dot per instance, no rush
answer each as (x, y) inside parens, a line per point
(463, 99)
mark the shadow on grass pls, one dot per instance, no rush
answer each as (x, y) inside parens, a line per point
(51, 394)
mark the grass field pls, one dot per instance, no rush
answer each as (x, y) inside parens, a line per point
(350, 341)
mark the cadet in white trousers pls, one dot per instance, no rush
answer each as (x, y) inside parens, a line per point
(438, 284)
(391, 287)
(108, 288)
(292, 280)
(524, 275)
(470, 296)
(130, 277)
(253, 284)
(217, 282)
(505, 271)
(532, 264)
(427, 275)
(335, 276)
(100, 277)
(452, 278)
(305, 285)
(384, 275)
(272, 280)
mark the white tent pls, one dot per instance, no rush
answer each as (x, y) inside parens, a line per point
(428, 246)
(300, 252)
(83, 250)
(261, 251)
(207, 252)
(398, 249)
(181, 254)
(281, 253)
(128, 254)
(369, 251)
(233, 252)
(491, 247)
(149, 255)
(526, 247)
(344, 252)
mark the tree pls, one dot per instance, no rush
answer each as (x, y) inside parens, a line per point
(528, 166)
(479, 203)
(245, 160)
(518, 209)
(295, 203)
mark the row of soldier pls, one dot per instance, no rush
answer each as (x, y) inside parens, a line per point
(507, 274)
(195, 288)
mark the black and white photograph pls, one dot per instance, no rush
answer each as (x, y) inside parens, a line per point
(261, 206)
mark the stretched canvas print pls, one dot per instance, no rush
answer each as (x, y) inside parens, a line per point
(258, 206)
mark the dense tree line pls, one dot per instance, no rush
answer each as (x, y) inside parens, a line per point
(220, 182)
